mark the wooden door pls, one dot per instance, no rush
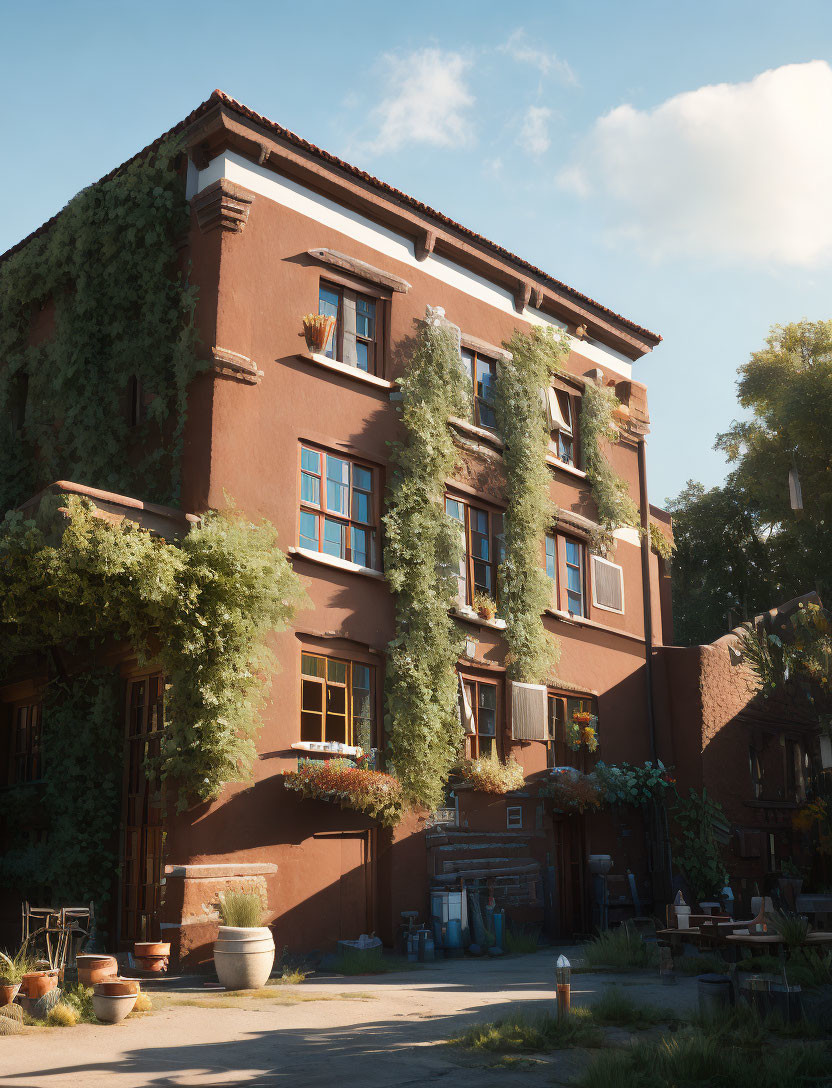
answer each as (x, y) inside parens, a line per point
(142, 883)
(570, 862)
(355, 886)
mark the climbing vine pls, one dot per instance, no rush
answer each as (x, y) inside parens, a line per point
(525, 589)
(421, 559)
(202, 608)
(93, 302)
(663, 547)
(612, 498)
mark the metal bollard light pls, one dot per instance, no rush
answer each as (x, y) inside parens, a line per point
(563, 974)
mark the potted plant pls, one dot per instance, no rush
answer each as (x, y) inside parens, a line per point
(485, 606)
(244, 949)
(318, 328)
(12, 971)
(114, 999)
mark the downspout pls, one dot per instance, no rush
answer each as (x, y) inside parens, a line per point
(647, 602)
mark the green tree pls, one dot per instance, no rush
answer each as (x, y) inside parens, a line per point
(741, 548)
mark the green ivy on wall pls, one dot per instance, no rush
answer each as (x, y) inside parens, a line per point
(422, 556)
(612, 497)
(201, 607)
(663, 547)
(525, 589)
(106, 270)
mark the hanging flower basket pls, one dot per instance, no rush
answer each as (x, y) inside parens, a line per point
(375, 793)
(582, 728)
(318, 328)
(572, 791)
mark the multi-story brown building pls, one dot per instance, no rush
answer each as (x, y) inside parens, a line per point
(280, 228)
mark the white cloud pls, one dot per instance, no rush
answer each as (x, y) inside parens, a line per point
(738, 170)
(427, 102)
(534, 130)
(519, 48)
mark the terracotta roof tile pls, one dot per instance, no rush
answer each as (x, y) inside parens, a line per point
(326, 156)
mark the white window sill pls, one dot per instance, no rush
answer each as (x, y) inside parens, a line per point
(477, 432)
(556, 462)
(333, 561)
(582, 621)
(346, 371)
(470, 616)
(327, 748)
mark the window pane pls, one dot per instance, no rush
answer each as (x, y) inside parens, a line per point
(455, 510)
(311, 665)
(328, 304)
(362, 478)
(365, 318)
(311, 726)
(362, 355)
(565, 448)
(479, 521)
(488, 696)
(479, 546)
(485, 379)
(574, 603)
(337, 485)
(308, 530)
(310, 460)
(312, 696)
(486, 745)
(360, 506)
(551, 557)
(482, 576)
(362, 706)
(336, 671)
(486, 416)
(573, 578)
(310, 489)
(573, 552)
(359, 547)
(334, 541)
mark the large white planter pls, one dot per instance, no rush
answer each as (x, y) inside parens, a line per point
(244, 957)
(112, 1008)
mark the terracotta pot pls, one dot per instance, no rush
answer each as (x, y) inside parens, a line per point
(117, 987)
(145, 949)
(244, 956)
(317, 337)
(38, 983)
(114, 1007)
(152, 965)
(95, 968)
(8, 992)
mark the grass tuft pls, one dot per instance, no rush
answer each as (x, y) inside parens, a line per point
(522, 940)
(80, 998)
(62, 1015)
(621, 948)
(529, 1033)
(241, 909)
(615, 1007)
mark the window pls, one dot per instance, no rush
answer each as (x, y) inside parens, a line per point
(795, 778)
(567, 746)
(755, 767)
(514, 817)
(482, 373)
(26, 746)
(482, 538)
(566, 566)
(337, 508)
(355, 339)
(483, 700)
(561, 416)
(607, 585)
(337, 701)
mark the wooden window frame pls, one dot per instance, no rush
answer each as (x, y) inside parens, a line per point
(30, 757)
(558, 753)
(348, 686)
(495, 524)
(561, 565)
(478, 401)
(338, 283)
(514, 812)
(322, 511)
(473, 746)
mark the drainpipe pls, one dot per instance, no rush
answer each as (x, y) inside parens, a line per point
(646, 593)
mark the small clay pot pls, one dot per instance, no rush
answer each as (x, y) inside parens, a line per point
(147, 949)
(38, 983)
(116, 987)
(152, 965)
(94, 968)
(8, 992)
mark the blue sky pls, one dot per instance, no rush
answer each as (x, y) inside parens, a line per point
(672, 161)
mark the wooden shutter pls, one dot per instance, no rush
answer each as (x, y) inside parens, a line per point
(528, 712)
(607, 585)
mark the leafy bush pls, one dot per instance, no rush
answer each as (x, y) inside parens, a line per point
(80, 998)
(695, 848)
(629, 784)
(243, 909)
(611, 494)
(489, 775)
(377, 794)
(619, 948)
(570, 789)
(529, 1032)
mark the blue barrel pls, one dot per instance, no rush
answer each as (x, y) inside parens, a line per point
(453, 933)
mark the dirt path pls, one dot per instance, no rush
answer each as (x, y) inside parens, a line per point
(369, 1031)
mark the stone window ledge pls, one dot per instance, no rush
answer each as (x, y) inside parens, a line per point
(335, 562)
(345, 370)
(470, 616)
